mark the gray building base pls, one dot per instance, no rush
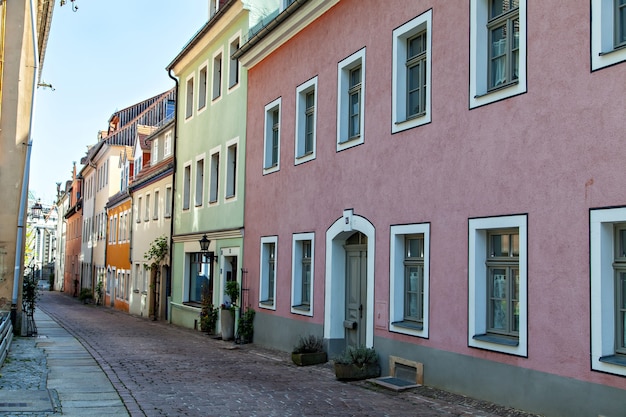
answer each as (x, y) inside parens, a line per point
(512, 386)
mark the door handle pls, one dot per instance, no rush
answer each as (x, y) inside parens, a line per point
(361, 311)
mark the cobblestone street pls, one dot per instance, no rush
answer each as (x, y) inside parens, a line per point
(163, 370)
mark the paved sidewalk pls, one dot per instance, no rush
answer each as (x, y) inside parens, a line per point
(53, 374)
(95, 361)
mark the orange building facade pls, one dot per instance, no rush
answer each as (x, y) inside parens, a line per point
(116, 290)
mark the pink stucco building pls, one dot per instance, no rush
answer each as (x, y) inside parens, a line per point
(444, 182)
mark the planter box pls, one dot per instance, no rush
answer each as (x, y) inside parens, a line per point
(306, 359)
(353, 372)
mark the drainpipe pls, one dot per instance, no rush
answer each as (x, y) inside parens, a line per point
(93, 216)
(169, 73)
(25, 179)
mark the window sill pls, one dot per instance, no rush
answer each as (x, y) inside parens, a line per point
(498, 88)
(267, 303)
(615, 49)
(408, 325)
(411, 119)
(193, 304)
(350, 139)
(302, 307)
(497, 339)
(614, 359)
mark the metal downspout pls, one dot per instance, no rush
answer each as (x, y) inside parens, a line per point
(25, 179)
(169, 73)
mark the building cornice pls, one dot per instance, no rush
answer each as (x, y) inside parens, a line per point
(281, 29)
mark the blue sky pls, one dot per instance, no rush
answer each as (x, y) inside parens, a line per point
(105, 57)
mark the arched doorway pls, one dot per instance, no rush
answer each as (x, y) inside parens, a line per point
(349, 290)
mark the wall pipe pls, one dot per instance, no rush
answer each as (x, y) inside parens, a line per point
(169, 73)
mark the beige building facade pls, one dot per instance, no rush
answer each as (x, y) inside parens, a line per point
(24, 27)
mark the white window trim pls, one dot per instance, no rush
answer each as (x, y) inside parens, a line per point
(146, 209)
(263, 276)
(232, 198)
(167, 209)
(603, 53)
(396, 277)
(235, 86)
(267, 137)
(216, 99)
(201, 157)
(477, 282)
(182, 194)
(156, 206)
(399, 121)
(602, 243)
(154, 152)
(343, 73)
(296, 273)
(204, 65)
(138, 207)
(301, 92)
(167, 150)
(213, 151)
(478, 94)
(189, 115)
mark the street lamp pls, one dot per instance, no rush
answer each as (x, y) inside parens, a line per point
(36, 209)
(204, 244)
(204, 248)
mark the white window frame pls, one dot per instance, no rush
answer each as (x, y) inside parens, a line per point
(186, 188)
(214, 175)
(155, 210)
(138, 212)
(199, 181)
(301, 114)
(268, 137)
(602, 275)
(603, 50)
(167, 144)
(231, 168)
(477, 282)
(154, 155)
(234, 66)
(399, 93)
(217, 75)
(296, 274)
(397, 278)
(343, 84)
(264, 295)
(189, 97)
(203, 90)
(168, 202)
(146, 216)
(479, 36)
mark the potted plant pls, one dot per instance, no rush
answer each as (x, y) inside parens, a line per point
(228, 310)
(86, 296)
(208, 313)
(245, 327)
(309, 351)
(357, 363)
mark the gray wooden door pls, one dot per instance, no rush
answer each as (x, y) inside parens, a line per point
(356, 294)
